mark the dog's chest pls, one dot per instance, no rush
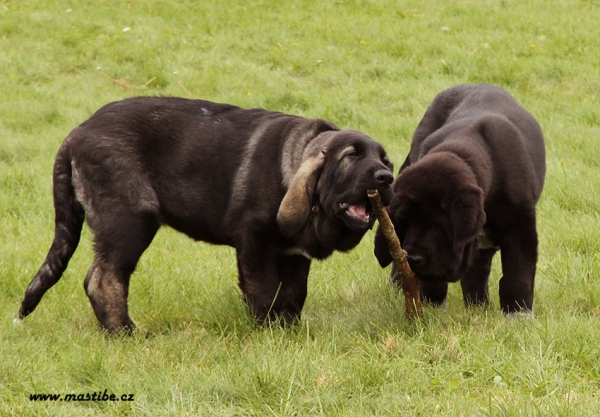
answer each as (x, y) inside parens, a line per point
(297, 251)
(485, 242)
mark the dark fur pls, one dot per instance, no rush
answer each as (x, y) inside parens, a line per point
(469, 187)
(281, 189)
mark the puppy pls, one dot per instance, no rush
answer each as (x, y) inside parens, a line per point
(280, 189)
(467, 189)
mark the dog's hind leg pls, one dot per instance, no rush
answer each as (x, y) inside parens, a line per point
(120, 240)
(69, 217)
(475, 282)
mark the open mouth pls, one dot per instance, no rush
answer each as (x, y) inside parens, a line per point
(357, 215)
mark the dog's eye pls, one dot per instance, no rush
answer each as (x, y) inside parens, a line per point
(349, 152)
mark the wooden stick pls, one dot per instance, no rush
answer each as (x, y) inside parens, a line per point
(407, 278)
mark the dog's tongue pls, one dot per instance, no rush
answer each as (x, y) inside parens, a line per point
(359, 212)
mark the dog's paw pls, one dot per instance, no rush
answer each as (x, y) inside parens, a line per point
(528, 315)
(17, 322)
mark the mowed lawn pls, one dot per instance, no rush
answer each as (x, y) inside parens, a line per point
(373, 66)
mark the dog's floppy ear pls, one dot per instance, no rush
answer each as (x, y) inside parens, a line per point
(295, 207)
(294, 210)
(382, 250)
(467, 215)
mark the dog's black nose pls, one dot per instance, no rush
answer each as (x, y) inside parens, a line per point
(415, 259)
(384, 176)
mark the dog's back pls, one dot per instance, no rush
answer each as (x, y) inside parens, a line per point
(507, 128)
(148, 150)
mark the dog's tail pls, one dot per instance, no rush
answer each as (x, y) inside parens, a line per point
(69, 218)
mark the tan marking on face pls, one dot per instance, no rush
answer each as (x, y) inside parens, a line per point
(347, 151)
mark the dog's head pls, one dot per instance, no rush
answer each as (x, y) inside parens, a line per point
(437, 211)
(329, 190)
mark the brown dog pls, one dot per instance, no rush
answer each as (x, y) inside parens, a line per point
(281, 189)
(469, 187)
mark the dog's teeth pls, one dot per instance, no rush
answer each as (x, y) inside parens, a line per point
(343, 205)
(359, 212)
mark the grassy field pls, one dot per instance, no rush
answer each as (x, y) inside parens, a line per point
(371, 65)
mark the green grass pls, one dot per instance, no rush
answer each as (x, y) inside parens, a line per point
(371, 65)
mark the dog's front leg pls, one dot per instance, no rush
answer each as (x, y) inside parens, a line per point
(519, 257)
(274, 286)
(293, 273)
(475, 282)
(434, 293)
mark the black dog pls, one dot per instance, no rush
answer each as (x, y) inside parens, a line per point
(469, 187)
(281, 189)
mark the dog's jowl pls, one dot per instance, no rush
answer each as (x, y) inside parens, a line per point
(467, 189)
(280, 189)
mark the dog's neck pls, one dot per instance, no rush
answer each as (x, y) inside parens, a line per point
(295, 151)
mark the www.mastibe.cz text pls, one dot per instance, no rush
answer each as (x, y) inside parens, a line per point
(88, 396)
